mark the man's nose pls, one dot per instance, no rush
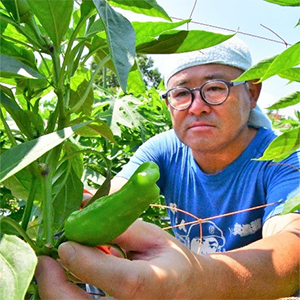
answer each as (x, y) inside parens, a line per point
(198, 105)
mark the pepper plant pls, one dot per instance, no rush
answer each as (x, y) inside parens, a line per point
(51, 107)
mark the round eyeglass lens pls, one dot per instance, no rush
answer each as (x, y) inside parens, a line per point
(215, 92)
(180, 98)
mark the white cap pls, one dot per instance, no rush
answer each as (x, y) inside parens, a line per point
(233, 52)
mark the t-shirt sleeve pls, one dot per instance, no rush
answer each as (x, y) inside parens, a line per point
(156, 149)
(143, 154)
(283, 183)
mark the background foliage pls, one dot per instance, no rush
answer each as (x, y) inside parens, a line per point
(78, 97)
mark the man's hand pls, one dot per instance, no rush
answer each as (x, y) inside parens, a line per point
(159, 267)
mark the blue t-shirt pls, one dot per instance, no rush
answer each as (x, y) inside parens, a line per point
(244, 184)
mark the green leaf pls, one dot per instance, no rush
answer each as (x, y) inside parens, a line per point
(284, 61)
(136, 83)
(68, 190)
(86, 7)
(102, 191)
(289, 100)
(285, 2)
(54, 15)
(20, 184)
(291, 204)
(283, 146)
(120, 37)
(19, 53)
(145, 7)
(75, 96)
(73, 150)
(6, 228)
(20, 156)
(96, 128)
(9, 31)
(258, 70)
(18, 115)
(95, 28)
(13, 67)
(149, 31)
(11, 8)
(175, 41)
(126, 113)
(292, 74)
(17, 266)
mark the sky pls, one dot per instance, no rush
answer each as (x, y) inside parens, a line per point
(250, 18)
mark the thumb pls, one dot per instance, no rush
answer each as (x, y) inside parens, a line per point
(116, 276)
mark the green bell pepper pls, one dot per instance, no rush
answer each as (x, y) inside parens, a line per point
(109, 216)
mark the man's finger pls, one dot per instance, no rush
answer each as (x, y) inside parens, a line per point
(142, 236)
(116, 276)
(53, 283)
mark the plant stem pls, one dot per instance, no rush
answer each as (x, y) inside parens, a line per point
(29, 204)
(69, 48)
(56, 65)
(59, 89)
(47, 209)
(35, 29)
(21, 231)
(7, 130)
(47, 172)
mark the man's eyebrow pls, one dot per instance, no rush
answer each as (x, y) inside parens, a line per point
(215, 76)
(205, 78)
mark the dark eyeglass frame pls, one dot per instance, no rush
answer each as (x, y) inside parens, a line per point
(229, 84)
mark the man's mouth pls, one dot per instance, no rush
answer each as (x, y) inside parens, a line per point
(200, 125)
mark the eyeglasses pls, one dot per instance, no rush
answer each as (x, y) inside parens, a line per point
(213, 92)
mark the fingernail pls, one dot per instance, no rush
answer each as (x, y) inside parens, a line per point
(67, 252)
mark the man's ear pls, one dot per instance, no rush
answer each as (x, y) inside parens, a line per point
(254, 91)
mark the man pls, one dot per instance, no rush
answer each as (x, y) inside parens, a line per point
(207, 169)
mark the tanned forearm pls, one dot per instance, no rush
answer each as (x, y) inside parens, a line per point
(265, 269)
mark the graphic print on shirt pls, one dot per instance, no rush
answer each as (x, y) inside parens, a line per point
(212, 240)
(246, 229)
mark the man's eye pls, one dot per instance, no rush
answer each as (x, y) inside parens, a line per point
(215, 88)
(180, 94)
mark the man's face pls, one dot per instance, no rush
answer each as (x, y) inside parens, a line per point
(204, 127)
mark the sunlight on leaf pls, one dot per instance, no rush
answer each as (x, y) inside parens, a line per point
(177, 41)
(12, 67)
(146, 7)
(284, 61)
(149, 31)
(283, 146)
(291, 74)
(22, 155)
(97, 128)
(257, 70)
(286, 101)
(291, 204)
(285, 2)
(17, 266)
